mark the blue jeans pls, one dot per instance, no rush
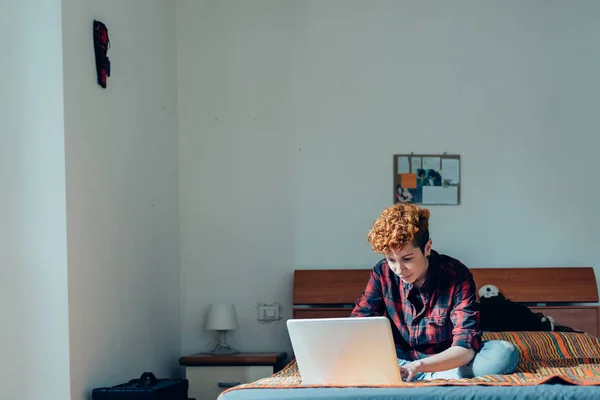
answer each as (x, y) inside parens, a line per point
(496, 357)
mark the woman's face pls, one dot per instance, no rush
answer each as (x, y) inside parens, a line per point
(410, 263)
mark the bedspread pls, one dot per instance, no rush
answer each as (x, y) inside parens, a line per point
(544, 357)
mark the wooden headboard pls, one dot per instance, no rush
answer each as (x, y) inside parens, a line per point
(553, 291)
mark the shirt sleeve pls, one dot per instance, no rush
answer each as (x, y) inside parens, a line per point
(465, 315)
(371, 302)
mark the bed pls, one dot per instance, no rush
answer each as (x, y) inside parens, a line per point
(552, 365)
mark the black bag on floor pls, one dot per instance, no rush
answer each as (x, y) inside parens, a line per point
(147, 387)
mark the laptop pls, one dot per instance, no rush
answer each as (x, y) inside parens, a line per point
(344, 351)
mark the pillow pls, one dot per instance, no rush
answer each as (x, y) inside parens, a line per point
(551, 349)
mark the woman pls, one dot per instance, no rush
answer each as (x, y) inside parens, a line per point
(430, 300)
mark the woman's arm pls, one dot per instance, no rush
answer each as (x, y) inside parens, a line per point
(466, 335)
(451, 358)
(371, 301)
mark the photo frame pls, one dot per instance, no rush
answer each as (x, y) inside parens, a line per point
(427, 179)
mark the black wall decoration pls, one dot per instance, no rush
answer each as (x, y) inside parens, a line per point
(101, 46)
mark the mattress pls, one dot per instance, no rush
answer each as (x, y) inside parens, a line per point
(547, 391)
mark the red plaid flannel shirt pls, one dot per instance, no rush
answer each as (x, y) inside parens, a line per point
(449, 315)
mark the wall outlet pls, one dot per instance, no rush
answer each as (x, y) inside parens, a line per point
(268, 312)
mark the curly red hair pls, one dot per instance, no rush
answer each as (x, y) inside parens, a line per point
(399, 225)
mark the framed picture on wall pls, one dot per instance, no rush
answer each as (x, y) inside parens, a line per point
(427, 179)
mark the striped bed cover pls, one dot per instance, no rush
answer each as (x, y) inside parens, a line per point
(543, 357)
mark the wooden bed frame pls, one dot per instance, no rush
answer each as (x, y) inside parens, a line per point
(558, 292)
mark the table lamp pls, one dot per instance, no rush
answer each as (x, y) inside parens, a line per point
(222, 318)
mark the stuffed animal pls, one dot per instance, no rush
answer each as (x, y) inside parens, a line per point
(497, 313)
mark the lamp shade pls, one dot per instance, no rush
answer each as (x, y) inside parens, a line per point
(221, 317)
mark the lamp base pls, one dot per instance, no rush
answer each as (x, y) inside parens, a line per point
(222, 346)
(224, 349)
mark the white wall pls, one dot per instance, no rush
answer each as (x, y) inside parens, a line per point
(34, 332)
(511, 86)
(237, 177)
(121, 142)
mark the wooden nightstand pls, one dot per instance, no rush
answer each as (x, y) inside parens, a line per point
(209, 374)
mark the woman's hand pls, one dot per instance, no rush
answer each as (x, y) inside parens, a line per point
(410, 370)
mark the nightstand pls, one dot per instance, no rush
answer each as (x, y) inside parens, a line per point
(210, 374)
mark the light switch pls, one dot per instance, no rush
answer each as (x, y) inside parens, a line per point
(268, 313)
